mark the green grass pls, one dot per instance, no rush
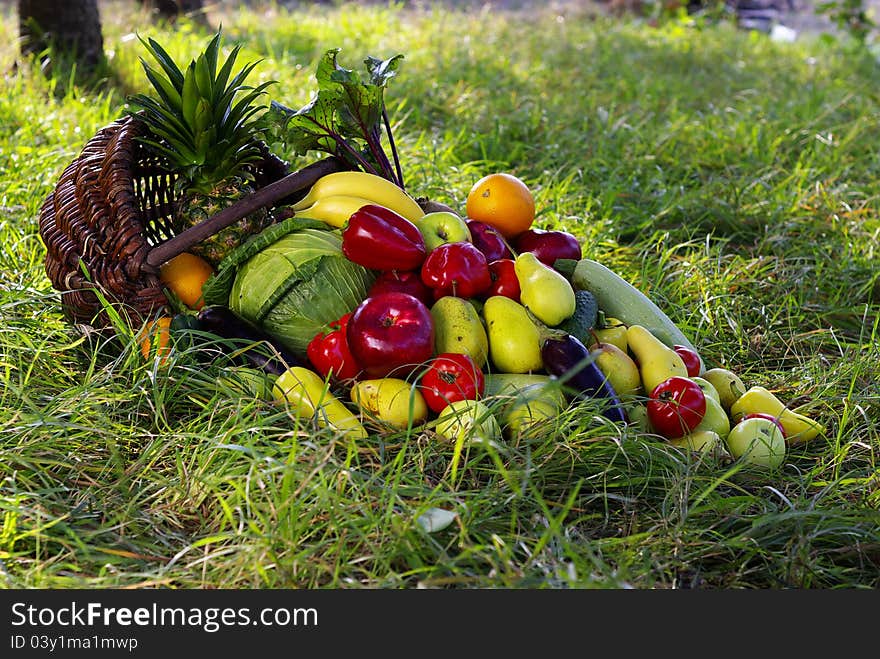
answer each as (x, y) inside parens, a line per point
(733, 179)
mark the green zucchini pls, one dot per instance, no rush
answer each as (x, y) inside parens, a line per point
(617, 298)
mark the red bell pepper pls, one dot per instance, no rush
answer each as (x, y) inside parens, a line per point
(329, 353)
(380, 239)
(458, 269)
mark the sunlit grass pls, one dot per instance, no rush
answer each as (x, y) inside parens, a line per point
(733, 179)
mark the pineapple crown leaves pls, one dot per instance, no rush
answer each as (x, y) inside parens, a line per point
(203, 120)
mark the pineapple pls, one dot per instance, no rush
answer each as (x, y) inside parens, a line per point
(203, 122)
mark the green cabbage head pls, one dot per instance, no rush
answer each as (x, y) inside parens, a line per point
(298, 284)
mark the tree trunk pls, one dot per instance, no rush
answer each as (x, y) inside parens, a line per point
(71, 27)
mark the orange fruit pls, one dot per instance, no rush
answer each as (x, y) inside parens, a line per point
(185, 275)
(160, 332)
(502, 201)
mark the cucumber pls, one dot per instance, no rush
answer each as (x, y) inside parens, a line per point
(619, 299)
(583, 320)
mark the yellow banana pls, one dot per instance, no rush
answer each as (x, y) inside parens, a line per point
(377, 189)
(309, 395)
(334, 210)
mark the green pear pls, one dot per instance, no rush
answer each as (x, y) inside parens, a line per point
(620, 369)
(543, 290)
(657, 361)
(519, 417)
(715, 419)
(728, 385)
(514, 339)
(458, 328)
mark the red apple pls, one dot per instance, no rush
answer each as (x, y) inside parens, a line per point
(548, 245)
(487, 239)
(504, 279)
(691, 359)
(391, 334)
(407, 281)
(458, 269)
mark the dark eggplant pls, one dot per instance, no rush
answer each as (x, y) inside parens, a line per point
(566, 357)
(264, 352)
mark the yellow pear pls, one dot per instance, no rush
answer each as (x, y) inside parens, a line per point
(798, 427)
(392, 400)
(620, 369)
(543, 290)
(657, 361)
(309, 396)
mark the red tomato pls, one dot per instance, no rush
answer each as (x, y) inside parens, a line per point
(451, 376)
(690, 358)
(676, 406)
(328, 351)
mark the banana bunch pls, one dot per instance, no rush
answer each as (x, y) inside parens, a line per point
(335, 197)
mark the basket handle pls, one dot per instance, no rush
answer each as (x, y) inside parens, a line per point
(265, 196)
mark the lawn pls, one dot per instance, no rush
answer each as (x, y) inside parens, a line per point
(734, 180)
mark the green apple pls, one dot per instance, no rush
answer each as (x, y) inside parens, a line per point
(637, 416)
(758, 442)
(468, 419)
(703, 441)
(532, 404)
(443, 227)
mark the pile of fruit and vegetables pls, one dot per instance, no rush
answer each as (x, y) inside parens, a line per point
(370, 309)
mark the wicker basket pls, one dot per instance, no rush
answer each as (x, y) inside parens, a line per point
(107, 225)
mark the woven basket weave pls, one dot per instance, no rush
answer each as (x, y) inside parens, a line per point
(107, 224)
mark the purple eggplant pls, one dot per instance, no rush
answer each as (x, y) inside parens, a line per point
(566, 357)
(264, 352)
